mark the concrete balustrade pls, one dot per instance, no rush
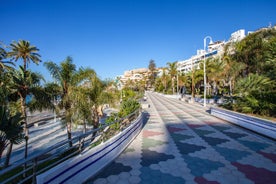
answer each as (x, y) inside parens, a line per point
(261, 126)
(91, 161)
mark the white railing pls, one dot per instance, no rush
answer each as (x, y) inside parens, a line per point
(261, 126)
(39, 167)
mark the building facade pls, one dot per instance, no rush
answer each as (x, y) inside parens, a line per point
(214, 50)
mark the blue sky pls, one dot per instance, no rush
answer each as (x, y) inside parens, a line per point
(112, 36)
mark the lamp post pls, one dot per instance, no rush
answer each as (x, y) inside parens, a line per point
(177, 91)
(193, 83)
(204, 67)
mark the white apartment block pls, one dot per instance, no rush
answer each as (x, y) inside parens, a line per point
(214, 50)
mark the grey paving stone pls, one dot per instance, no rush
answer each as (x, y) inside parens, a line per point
(122, 181)
(155, 166)
(100, 181)
(124, 175)
(135, 172)
(112, 178)
(134, 179)
(177, 166)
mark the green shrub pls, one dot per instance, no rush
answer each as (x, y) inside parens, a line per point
(128, 106)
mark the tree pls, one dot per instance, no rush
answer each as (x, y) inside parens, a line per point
(23, 84)
(256, 95)
(164, 79)
(152, 68)
(254, 50)
(269, 66)
(6, 71)
(11, 131)
(231, 71)
(4, 65)
(90, 101)
(214, 73)
(172, 67)
(68, 78)
(23, 50)
(6, 68)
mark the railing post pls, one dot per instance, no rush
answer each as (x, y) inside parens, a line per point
(81, 144)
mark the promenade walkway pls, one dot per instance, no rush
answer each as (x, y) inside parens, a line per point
(182, 143)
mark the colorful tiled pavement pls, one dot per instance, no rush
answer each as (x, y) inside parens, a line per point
(180, 143)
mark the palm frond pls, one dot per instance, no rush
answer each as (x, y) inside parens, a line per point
(54, 70)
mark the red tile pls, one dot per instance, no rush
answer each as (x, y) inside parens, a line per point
(147, 133)
(174, 129)
(270, 156)
(201, 180)
(257, 175)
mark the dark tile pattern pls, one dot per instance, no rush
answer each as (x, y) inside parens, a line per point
(185, 148)
(271, 156)
(201, 180)
(234, 135)
(156, 177)
(113, 169)
(231, 155)
(254, 146)
(180, 143)
(214, 141)
(199, 166)
(152, 157)
(258, 175)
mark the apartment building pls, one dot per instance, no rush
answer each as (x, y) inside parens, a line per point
(134, 75)
(214, 49)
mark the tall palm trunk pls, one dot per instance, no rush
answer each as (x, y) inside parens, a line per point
(165, 85)
(8, 156)
(95, 121)
(173, 86)
(26, 130)
(68, 126)
(84, 126)
(69, 133)
(3, 145)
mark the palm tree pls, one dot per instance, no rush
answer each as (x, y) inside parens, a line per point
(3, 138)
(23, 50)
(4, 65)
(82, 107)
(6, 68)
(26, 83)
(152, 68)
(256, 94)
(11, 131)
(172, 67)
(68, 78)
(164, 79)
(231, 68)
(87, 101)
(253, 82)
(96, 98)
(214, 72)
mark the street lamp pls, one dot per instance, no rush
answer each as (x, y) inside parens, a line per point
(204, 66)
(177, 82)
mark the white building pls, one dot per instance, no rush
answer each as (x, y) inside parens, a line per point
(214, 49)
(237, 36)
